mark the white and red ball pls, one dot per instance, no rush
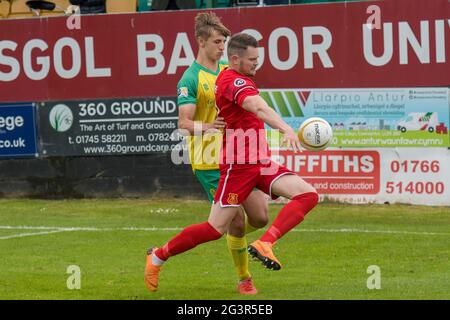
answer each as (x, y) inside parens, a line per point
(315, 134)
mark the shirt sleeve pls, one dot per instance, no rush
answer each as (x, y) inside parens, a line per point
(243, 88)
(186, 91)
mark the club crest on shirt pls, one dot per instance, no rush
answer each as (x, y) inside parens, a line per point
(232, 198)
(182, 92)
(239, 82)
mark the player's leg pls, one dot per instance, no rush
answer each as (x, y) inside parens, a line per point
(257, 212)
(236, 240)
(303, 198)
(237, 246)
(218, 222)
(235, 186)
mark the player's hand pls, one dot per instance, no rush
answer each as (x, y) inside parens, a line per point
(219, 123)
(217, 126)
(290, 139)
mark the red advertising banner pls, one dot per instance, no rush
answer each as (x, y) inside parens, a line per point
(398, 43)
(335, 171)
(407, 175)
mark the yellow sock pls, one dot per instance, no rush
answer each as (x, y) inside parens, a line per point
(248, 227)
(238, 250)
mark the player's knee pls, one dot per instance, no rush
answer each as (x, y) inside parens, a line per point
(261, 223)
(261, 220)
(308, 200)
(220, 228)
(237, 227)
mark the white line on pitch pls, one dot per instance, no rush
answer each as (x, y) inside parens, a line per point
(342, 230)
(90, 228)
(20, 235)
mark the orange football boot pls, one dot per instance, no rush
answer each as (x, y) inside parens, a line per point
(151, 274)
(263, 251)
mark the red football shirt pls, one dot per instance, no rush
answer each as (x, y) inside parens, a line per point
(244, 139)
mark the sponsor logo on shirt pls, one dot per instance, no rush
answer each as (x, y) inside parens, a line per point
(182, 92)
(239, 82)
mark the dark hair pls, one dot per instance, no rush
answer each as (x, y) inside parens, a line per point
(206, 22)
(239, 43)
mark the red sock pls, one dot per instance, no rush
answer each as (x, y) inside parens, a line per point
(188, 239)
(290, 215)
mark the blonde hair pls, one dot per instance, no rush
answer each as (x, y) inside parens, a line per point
(206, 22)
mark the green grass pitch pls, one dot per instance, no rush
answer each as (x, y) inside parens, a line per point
(326, 257)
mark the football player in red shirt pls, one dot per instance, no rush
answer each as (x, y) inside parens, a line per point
(245, 164)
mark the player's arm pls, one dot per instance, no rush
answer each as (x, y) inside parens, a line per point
(186, 114)
(259, 107)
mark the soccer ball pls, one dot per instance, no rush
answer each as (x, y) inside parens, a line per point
(315, 134)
